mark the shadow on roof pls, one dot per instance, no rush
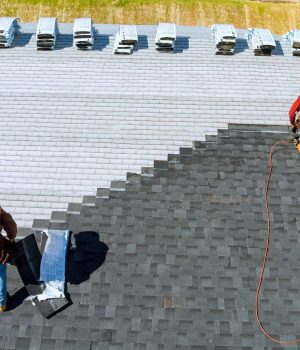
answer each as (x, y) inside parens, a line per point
(142, 43)
(17, 299)
(278, 49)
(63, 41)
(86, 257)
(182, 43)
(100, 42)
(22, 39)
(241, 45)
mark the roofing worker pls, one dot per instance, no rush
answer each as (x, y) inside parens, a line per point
(294, 115)
(7, 246)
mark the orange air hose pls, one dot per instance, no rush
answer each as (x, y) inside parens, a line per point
(261, 326)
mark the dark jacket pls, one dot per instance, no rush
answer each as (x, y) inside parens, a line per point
(7, 246)
(8, 224)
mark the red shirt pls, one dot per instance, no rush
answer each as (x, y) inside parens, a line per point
(295, 108)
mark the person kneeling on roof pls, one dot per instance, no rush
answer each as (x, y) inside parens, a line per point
(7, 247)
(294, 115)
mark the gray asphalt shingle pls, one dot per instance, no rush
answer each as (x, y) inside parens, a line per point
(183, 262)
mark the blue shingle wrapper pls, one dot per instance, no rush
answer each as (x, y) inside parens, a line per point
(53, 264)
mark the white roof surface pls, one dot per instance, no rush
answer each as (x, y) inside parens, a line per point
(72, 121)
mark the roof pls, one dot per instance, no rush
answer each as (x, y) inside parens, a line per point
(185, 250)
(186, 236)
(74, 120)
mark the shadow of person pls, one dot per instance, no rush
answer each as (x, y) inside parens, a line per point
(86, 257)
(16, 299)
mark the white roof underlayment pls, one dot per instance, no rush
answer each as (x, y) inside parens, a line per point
(72, 121)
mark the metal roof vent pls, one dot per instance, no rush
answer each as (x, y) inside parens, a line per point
(225, 38)
(293, 37)
(83, 33)
(46, 33)
(165, 37)
(9, 27)
(261, 40)
(125, 40)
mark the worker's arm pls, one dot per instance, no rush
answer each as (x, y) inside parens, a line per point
(9, 224)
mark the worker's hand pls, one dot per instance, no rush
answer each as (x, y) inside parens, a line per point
(294, 140)
(6, 256)
(298, 147)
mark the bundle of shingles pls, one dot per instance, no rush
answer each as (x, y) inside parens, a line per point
(293, 37)
(9, 27)
(83, 33)
(261, 41)
(46, 33)
(224, 36)
(125, 39)
(165, 37)
(43, 270)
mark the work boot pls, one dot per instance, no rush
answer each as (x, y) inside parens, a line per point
(7, 305)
